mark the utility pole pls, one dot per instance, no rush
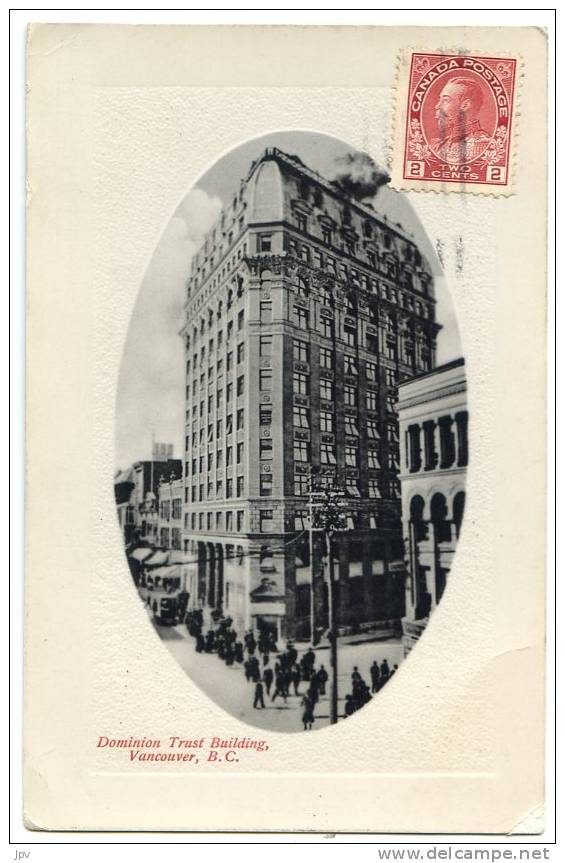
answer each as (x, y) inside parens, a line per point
(330, 519)
(332, 620)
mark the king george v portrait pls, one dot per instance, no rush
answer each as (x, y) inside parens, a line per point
(461, 138)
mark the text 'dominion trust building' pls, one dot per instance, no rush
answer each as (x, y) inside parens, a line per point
(304, 310)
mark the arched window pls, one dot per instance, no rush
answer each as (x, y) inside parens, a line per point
(417, 517)
(438, 508)
(458, 510)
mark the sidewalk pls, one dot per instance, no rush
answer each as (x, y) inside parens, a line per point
(227, 686)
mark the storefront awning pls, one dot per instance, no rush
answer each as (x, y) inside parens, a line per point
(141, 554)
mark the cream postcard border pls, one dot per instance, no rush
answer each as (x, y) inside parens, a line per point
(78, 263)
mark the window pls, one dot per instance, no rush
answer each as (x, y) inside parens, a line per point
(229, 424)
(301, 485)
(300, 317)
(265, 416)
(327, 236)
(371, 401)
(392, 460)
(241, 352)
(372, 430)
(219, 396)
(351, 426)
(240, 485)
(210, 461)
(352, 488)
(265, 346)
(350, 336)
(374, 462)
(265, 312)
(239, 453)
(350, 396)
(300, 351)
(302, 222)
(391, 403)
(350, 365)
(240, 320)
(265, 379)
(229, 391)
(240, 520)
(240, 385)
(266, 484)
(265, 448)
(326, 390)
(240, 419)
(193, 495)
(301, 448)
(193, 520)
(219, 489)
(229, 456)
(201, 464)
(301, 519)
(390, 377)
(300, 383)
(327, 454)
(265, 242)
(326, 358)
(300, 417)
(327, 327)
(351, 456)
(229, 488)
(326, 421)
(266, 520)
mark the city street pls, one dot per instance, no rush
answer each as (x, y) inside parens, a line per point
(227, 686)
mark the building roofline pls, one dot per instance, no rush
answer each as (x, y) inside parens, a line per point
(296, 163)
(453, 364)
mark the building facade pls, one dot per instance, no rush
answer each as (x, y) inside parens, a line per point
(304, 309)
(136, 491)
(433, 420)
(170, 520)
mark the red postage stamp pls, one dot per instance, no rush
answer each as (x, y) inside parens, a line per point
(459, 119)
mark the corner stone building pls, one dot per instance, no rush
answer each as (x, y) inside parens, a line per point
(303, 311)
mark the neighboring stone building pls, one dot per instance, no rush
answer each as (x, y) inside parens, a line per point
(170, 519)
(303, 311)
(136, 493)
(433, 416)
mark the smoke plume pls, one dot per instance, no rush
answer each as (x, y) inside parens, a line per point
(358, 176)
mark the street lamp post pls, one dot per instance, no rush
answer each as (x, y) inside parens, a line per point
(332, 625)
(329, 519)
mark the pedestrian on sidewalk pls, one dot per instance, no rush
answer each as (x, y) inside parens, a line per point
(268, 678)
(375, 676)
(296, 678)
(258, 699)
(307, 713)
(279, 688)
(322, 679)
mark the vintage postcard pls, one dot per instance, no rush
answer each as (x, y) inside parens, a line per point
(286, 411)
